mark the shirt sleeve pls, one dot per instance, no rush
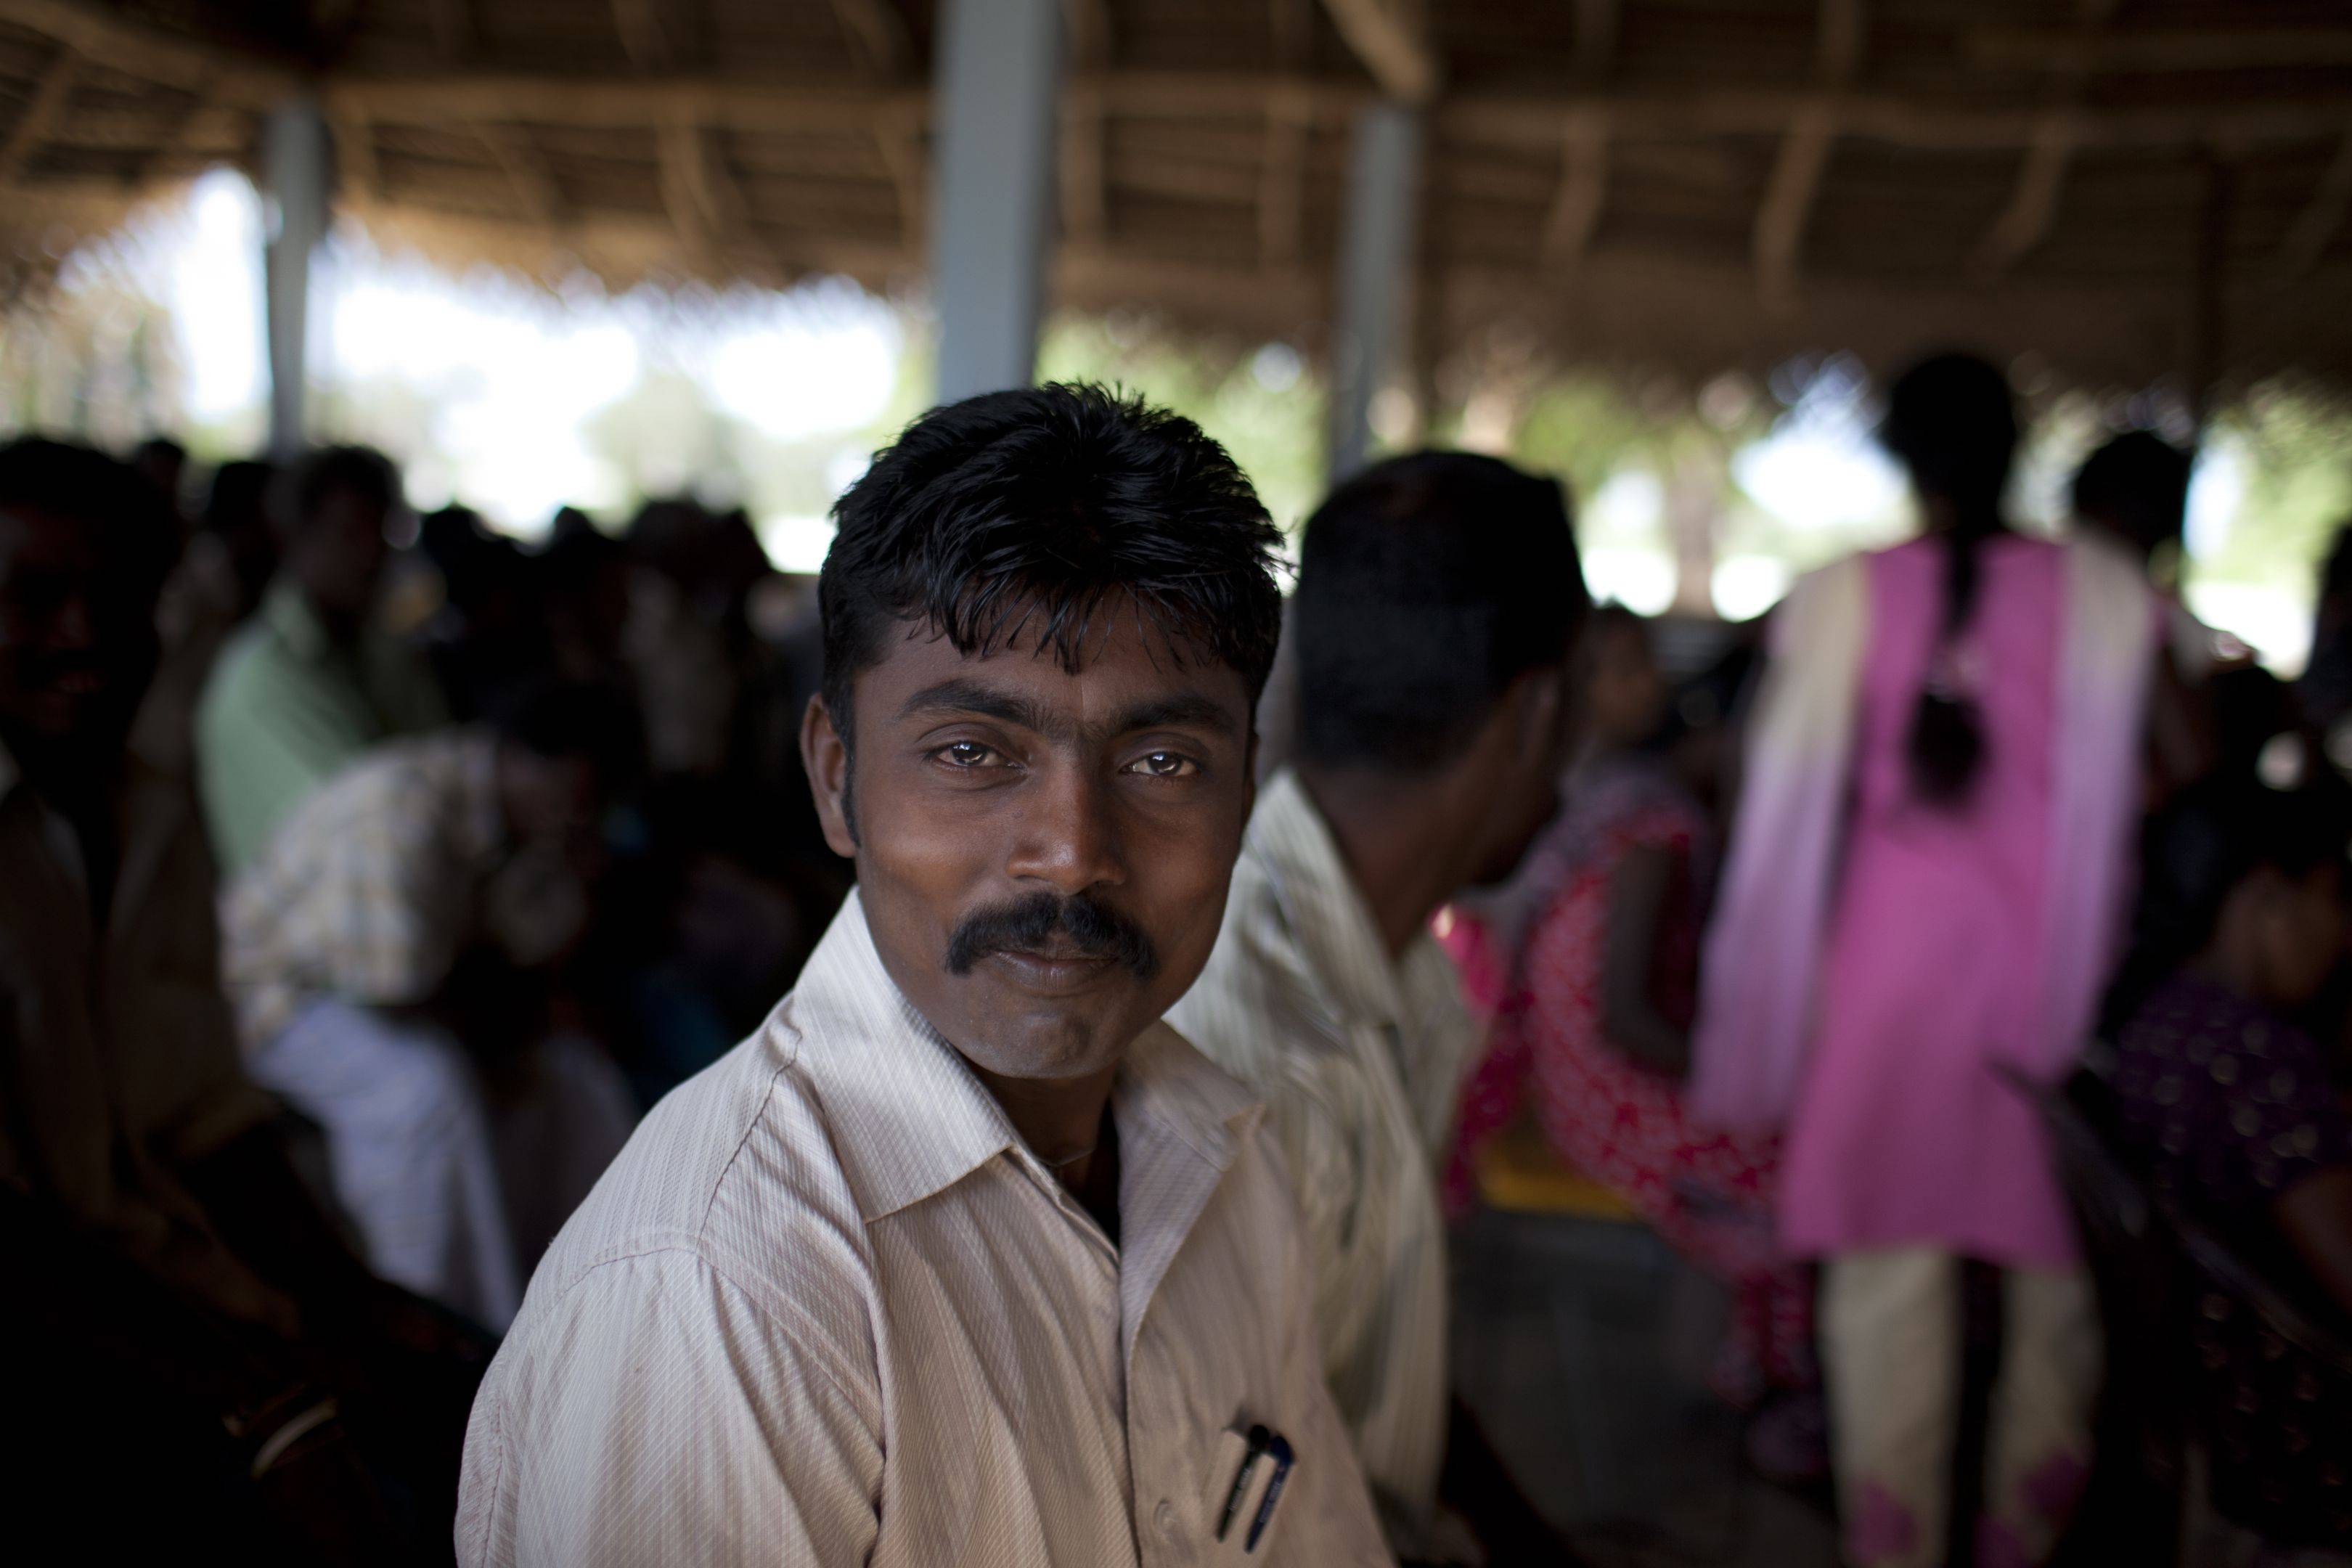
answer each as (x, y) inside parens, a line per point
(658, 1415)
(1310, 1122)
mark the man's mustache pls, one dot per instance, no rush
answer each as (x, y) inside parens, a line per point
(1028, 923)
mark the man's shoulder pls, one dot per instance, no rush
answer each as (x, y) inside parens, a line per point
(1259, 997)
(733, 1175)
(249, 661)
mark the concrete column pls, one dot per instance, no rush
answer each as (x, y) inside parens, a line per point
(1376, 262)
(998, 90)
(297, 164)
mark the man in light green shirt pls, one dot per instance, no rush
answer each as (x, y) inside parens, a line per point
(308, 684)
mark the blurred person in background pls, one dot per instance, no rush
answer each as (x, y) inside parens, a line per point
(2324, 689)
(197, 1352)
(215, 585)
(482, 639)
(1438, 596)
(310, 683)
(393, 957)
(2219, 1089)
(2218, 1092)
(164, 463)
(1589, 957)
(1925, 887)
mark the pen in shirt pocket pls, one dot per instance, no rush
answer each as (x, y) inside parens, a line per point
(1280, 1449)
(1260, 1438)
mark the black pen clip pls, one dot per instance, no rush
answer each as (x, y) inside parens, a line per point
(1280, 1449)
(1259, 1438)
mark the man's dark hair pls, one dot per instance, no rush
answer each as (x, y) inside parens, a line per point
(2137, 484)
(361, 471)
(1045, 511)
(2201, 846)
(1427, 584)
(69, 480)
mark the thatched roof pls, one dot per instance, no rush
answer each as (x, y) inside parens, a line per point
(2135, 188)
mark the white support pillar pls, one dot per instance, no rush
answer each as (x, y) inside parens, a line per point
(1376, 257)
(999, 93)
(297, 161)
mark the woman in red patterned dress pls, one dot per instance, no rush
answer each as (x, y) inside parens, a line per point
(1588, 966)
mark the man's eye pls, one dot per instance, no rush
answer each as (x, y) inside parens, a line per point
(1164, 765)
(965, 753)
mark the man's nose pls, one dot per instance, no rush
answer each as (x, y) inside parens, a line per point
(73, 627)
(1069, 838)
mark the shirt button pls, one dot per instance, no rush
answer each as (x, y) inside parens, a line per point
(1164, 1516)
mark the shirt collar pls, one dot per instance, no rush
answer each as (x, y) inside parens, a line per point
(1293, 845)
(289, 616)
(912, 1117)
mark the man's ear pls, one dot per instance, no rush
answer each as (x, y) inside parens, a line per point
(1540, 707)
(825, 759)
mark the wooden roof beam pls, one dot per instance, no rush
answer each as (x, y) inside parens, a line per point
(144, 51)
(1575, 212)
(1086, 203)
(355, 156)
(48, 99)
(452, 25)
(1596, 37)
(2032, 208)
(2159, 51)
(881, 36)
(641, 34)
(687, 194)
(534, 188)
(1838, 41)
(1796, 178)
(1388, 38)
(899, 134)
(1788, 204)
(2322, 217)
(1282, 181)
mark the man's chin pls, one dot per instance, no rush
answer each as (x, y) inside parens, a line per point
(1047, 1045)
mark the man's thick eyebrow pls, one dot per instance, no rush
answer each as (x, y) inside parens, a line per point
(963, 696)
(1186, 709)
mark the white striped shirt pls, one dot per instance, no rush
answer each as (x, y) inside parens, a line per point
(1360, 1061)
(826, 1307)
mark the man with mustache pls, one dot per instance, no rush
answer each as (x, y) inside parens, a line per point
(965, 1257)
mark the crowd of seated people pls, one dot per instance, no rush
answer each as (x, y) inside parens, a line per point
(369, 878)
(351, 924)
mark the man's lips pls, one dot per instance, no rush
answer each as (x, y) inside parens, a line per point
(1052, 968)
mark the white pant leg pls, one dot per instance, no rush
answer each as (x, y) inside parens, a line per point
(2039, 1451)
(1890, 1329)
(409, 1147)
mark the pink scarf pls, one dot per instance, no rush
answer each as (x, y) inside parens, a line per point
(1763, 955)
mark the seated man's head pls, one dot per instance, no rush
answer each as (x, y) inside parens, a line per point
(2135, 488)
(332, 518)
(1048, 614)
(84, 542)
(1439, 594)
(564, 749)
(2250, 883)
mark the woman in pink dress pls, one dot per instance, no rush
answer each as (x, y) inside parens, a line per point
(1587, 965)
(1923, 897)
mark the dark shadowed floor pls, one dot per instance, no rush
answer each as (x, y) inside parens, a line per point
(1583, 1347)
